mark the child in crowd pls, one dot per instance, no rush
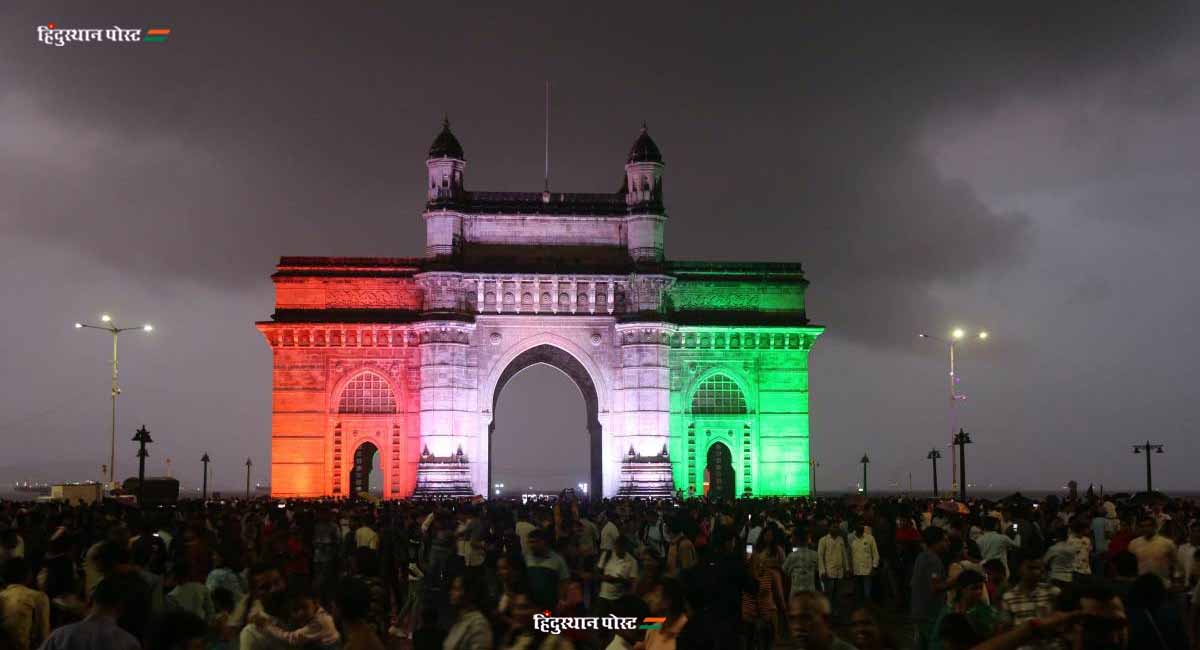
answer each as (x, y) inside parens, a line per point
(314, 628)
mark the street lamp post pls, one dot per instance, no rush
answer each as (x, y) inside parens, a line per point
(115, 331)
(962, 439)
(1147, 448)
(813, 465)
(248, 466)
(864, 462)
(204, 489)
(958, 334)
(142, 437)
(933, 457)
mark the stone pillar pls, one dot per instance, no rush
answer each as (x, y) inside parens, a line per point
(449, 399)
(643, 399)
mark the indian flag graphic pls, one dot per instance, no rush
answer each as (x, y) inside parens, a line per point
(156, 34)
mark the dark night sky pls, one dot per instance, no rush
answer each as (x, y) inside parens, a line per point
(1029, 168)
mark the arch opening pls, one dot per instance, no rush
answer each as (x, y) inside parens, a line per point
(718, 472)
(365, 476)
(568, 365)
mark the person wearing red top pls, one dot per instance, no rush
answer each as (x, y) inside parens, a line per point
(1119, 543)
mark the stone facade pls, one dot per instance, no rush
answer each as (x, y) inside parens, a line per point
(410, 355)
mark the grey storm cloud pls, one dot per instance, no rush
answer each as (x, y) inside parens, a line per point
(790, 132)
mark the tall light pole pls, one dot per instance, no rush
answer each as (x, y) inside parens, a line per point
(813, 465)
(933, 457)
(1147, 448)
(248, 466)
(142, 437)
(962, 439)
(115, 331)
(204, 489)
(956, 335)
(864, 462)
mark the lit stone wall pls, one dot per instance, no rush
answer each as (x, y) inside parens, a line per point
(769, 442)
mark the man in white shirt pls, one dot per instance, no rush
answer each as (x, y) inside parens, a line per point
(523, 529)
(364, 535)
(864, 559)
(618, 573)
(832, 561)
(610, 532)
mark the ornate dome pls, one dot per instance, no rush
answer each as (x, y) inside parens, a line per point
(644, 149)
(445, 145)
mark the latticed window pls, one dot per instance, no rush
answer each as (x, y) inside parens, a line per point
(718, 395)
(367, 392)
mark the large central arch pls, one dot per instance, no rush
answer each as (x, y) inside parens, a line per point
(567, 364)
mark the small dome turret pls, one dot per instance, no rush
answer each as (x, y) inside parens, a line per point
(445, 145)
(644, 149)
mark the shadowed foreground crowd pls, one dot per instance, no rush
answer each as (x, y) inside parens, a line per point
(835, 574)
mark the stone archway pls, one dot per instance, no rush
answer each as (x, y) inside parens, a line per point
(566, 363)
(719, 470)
(360, 472)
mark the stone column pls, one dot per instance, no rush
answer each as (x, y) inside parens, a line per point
(643, 399)
(449, 397)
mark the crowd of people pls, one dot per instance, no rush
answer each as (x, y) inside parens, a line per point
(827, 574)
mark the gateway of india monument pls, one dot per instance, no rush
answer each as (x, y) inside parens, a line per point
(694, 374)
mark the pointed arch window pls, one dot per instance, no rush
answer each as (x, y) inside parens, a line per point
(718, 395)
(367, 393)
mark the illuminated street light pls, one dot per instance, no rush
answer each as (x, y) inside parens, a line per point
(958, 334)
(116, 389)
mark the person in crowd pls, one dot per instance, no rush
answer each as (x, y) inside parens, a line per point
(225, 574)
(1155, 553)
(864, 562)
(24, 611)
(810, 622)
(996, 584)
(522, 634)
(981, 617)
(993, 545)
(681, 555)
(1079, 538)
(800, 566)
(1030, 599)
(309, 626)
(929, 585)
(1093, 618)
(1152, 622)
(351, 608)
(188, 594)
(832, 562)
(471, 630)
(267, 603)
(365, 536)
(763, 599)
(1060, 559)
(618, 574)
(868, 632)
(99, 631)
(364, 565)
(671, 606)
(546, 570)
